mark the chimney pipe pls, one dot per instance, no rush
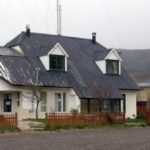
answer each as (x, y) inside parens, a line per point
(28, 30)
(94, 37)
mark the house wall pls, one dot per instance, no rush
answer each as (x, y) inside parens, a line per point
(72, 101)
(25, 111)
(131, 110)
(143, 94)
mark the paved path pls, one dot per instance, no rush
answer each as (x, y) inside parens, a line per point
(110, 139)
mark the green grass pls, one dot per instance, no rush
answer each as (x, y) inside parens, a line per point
(138, 121)
(84, 126)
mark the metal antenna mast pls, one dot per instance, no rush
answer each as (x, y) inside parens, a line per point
(59, 28)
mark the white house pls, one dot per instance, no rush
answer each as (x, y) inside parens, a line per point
(70, 73)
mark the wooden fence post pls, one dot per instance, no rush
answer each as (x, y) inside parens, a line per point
(16, 119)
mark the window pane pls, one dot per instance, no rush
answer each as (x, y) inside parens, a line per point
(57, 62)
(112, 66)
(106, 105)
(58, 102)
(53, 62)
(116, 105)
(60, 62)
(43, 102)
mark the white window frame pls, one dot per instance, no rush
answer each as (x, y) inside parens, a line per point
(43, 104)
(61, 101)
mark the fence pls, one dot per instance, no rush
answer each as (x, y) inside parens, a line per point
(82, 118)
(8, 120)
(141, 110)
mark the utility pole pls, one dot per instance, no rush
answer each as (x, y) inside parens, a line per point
(59, 28)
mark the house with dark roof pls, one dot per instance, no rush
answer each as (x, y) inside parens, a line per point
(72, 73)
(136, 63)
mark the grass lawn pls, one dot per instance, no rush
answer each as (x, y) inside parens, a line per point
(9, 129)
(140, 122)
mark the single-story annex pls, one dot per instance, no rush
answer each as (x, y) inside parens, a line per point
(71, 73)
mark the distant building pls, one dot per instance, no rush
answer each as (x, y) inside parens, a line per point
(137, 64)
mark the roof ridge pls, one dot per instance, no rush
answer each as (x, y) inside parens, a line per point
(18, 39)
(63, 36)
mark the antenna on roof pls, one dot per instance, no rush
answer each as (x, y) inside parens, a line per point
(59, 27)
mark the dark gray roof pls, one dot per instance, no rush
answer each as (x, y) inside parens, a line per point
(100, 55)
(83, 74)
(136, 63)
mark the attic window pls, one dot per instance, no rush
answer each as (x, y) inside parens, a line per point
(57, 62)
(112, 67)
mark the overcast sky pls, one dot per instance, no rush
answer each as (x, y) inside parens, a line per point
(118, 23)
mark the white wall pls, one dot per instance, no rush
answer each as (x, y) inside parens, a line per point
(45, 61)
(102, 65)
(24, 110)
(131, 110)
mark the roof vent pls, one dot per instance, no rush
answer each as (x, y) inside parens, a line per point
(93, 37)
(28, 30)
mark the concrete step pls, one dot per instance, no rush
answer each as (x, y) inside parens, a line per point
(36, 125)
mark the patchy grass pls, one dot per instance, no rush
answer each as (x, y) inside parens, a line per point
(9, 129)
(84, 126)
(139, 121)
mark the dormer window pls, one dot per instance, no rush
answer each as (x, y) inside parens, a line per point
(56, 59)
(57, 62)
(112, 67)
(109, 62)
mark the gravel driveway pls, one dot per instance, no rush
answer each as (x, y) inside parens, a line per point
(108, 139)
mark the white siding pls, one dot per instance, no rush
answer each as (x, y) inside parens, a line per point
(131, 111)
(102, 65)
(57, 51)
(112, 56)
(45, 61)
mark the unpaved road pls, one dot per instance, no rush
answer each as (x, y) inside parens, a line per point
(108, 139)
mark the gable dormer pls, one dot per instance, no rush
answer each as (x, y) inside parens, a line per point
(111, 63)
(56, 59)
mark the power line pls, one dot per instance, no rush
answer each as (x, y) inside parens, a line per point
(39, 11)
(112, 24)
(47, 14)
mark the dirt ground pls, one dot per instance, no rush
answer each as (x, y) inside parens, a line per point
(101, 139)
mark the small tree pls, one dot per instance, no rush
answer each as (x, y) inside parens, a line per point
(104, 93)
(36, 92)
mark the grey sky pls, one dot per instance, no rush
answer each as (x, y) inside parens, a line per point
(118, 23)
